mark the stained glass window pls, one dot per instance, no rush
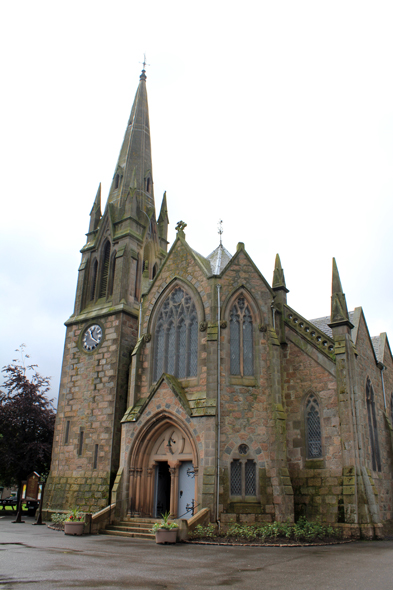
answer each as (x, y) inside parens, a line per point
(313, 428)
(176, 337)
(373, 427)
(241, 335)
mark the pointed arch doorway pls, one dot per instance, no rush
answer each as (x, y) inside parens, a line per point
(163, 471)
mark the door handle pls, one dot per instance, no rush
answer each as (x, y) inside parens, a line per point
(181, 493)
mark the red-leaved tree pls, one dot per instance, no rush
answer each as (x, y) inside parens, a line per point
(27, 421)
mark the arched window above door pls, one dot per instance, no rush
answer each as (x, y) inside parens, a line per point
(176, 337)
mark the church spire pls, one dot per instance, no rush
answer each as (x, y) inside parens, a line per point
(163, 219)
(133, 175)
(339, 312)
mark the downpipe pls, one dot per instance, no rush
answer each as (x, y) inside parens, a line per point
(218, 405)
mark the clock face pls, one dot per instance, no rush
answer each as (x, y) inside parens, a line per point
(92, 337)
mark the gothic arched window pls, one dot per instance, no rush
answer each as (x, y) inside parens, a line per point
(241, 335)
(176, 337)
(105, 270)
(373, 427)
(313, 428)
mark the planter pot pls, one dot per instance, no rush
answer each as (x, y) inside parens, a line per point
(74, 528)
(165, 536)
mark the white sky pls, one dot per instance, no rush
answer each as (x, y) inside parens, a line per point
(275, 116)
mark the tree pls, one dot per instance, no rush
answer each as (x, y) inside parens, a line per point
(27, 421)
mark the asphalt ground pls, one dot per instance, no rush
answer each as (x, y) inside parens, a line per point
(35, 557)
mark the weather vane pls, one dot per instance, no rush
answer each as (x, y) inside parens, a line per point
(220, 230)
(144, 61)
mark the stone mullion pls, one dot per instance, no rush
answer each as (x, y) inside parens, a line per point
(188, 348)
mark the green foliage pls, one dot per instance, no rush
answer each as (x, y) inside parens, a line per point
(74, 515)
(301, 531)
(164, 524)
(58, 518)
(204, 532)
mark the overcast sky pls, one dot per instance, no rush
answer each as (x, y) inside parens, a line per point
(275, 116)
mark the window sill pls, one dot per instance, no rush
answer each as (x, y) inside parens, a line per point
(246, 381)
(315, 464)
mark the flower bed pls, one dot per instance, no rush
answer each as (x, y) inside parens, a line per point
(275, 533)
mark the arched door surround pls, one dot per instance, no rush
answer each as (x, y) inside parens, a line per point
(164, 439)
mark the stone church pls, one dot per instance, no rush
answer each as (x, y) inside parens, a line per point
(188, 382)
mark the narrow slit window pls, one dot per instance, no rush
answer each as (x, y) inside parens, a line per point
(373, 427)
(67, 432)
(236, 478)
(95, 457)
(313, 428)
(80, 446)
(250, 478)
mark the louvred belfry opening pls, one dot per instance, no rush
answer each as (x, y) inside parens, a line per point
(105, 270)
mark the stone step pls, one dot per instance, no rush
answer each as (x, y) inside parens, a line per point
(130, 523)
(129, 528)
(111, 531)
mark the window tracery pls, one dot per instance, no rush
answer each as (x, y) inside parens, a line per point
(241, 335)
(176, 337)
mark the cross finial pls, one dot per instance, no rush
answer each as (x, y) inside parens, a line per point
(220, 230)
(144, 64)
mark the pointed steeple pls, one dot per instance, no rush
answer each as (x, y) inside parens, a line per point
(339, 312)
(134, 172)
(278, 276)
(95, 213)
(163, 219)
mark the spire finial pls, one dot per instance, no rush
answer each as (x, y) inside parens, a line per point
(144, 64)
(220, 230)
(339, 312)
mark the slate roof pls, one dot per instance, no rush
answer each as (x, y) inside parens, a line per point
(218, 259)
(322, 324)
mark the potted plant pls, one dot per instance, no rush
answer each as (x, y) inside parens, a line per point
(74, 523)
(165, 531)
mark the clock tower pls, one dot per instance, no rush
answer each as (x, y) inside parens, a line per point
(124, 249)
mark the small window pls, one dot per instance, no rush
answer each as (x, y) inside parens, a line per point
(313, 428)
(80, 445)
(241, 335)
(148, 185)
(243, 478)
(155, 269)
(117, 181)
(67, 432)
(373, 427)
